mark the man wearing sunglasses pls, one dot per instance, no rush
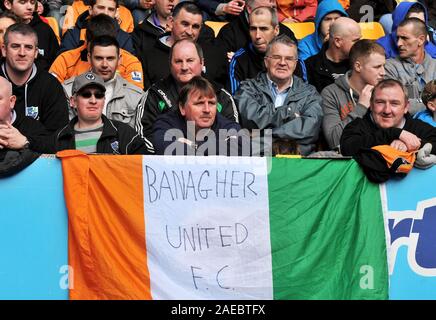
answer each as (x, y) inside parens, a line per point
(90, 131)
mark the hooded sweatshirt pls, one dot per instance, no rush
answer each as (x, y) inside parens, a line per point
(389, 42)
(73, 38)
(312, 44)
(41, 98)
(48, 45)
(340, 106)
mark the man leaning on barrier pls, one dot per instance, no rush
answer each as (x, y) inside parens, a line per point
(196, 128)
(385, 141)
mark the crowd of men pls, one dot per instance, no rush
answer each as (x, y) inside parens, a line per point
(171, 87)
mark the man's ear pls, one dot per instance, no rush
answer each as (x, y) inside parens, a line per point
(357, 66)
(431, 105)
(88, 57)
(8, 4)
(12, 101)
(73, 102)
(337, 41)
(422, 38)
(276, 30)
(406, 109)
(182, 110)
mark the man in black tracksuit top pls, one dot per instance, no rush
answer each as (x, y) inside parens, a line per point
(236, 34)
(248, 61)
(154, 26)
(39, 95)
(187, 22)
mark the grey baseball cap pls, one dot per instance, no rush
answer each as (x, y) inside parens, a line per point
(87, 79)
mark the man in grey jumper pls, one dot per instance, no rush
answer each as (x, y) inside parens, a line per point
(413, 67)
(348, 98)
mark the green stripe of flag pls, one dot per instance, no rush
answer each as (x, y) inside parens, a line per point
(327, 238)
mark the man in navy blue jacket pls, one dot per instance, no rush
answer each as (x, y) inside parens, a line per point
(196, 128)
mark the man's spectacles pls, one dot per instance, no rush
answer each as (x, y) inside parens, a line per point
(277, 58)
(88, 94)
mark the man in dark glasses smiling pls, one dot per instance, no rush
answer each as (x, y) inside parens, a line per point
(90, 131)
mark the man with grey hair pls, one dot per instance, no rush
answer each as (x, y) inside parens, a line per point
(414, 67)
(332, 61)
(236, 35)
(278, 100)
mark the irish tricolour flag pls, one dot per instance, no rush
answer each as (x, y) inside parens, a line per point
(152, 227)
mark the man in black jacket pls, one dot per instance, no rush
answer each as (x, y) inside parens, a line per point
(195, 127)
(157, 23)
(18, 133)
(92, 132)
(332, 61)
(186, 23)
(186, 62)
(39, 95)
(236, 35)
(388, 122)
(48, 45)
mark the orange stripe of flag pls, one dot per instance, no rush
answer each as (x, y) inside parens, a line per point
(107, 249)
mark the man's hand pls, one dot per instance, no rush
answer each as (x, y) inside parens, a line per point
(424, 158)
(11, 138)
(230, 55)
(365, 95)
(290, 20)
(399, 145)
(410, 140)
(234, 7)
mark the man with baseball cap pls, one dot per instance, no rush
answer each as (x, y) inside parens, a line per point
(90, 131)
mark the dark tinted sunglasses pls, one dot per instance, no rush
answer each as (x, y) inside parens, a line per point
(87, 94)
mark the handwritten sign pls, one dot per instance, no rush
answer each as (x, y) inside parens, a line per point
(209, 228)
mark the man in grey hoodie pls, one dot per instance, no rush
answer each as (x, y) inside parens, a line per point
(414, 67)
(348, 98)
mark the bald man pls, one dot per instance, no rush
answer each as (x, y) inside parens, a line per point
(18, 133)
(332, 61)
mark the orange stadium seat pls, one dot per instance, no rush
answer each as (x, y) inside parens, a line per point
(215, 25)
(53, 23)
(301, 29)
(371, 30)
